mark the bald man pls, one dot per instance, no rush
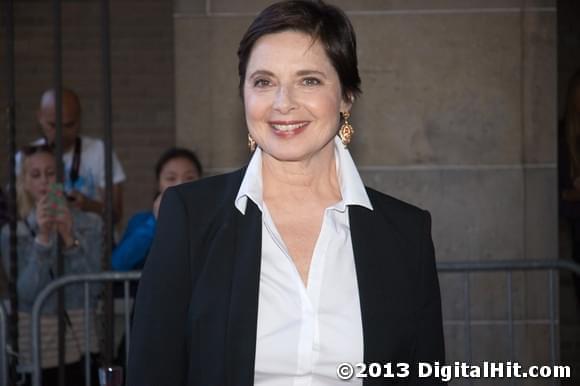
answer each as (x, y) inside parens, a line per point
(83, 157)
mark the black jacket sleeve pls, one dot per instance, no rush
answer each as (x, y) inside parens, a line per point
(158, 352)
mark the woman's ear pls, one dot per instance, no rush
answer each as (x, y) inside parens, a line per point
(346, 103)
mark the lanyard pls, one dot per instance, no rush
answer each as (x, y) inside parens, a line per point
(76, 161)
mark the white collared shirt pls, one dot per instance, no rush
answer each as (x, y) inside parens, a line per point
(303, 333)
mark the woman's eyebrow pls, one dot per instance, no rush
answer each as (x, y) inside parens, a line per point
(261, 72)
(298, 73)
(310, 72)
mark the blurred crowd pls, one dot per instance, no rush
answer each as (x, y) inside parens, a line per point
(71, 210)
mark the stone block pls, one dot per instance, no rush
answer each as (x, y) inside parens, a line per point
(533, 344)
(539, 79)
(541, 238)
(490, 342)
(477, 213)
(209, 110)
(192, 88)
(439, 89)
(539, 302)
(455, 349)
(541, 208)
(489, 296)
(189, 6)
(453, 298)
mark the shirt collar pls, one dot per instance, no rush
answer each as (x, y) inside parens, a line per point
(352, 188)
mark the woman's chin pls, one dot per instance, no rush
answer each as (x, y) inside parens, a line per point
(295, 153)
(292, 155)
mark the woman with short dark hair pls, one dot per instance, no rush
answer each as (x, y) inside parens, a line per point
(277, 273)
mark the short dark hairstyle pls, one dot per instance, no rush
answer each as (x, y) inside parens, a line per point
(177, 152)
(325, 23)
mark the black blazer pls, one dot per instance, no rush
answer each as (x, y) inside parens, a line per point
(197, 304)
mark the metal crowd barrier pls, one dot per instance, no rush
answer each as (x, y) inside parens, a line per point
(463, 267)
(86, 279)
(509, 266)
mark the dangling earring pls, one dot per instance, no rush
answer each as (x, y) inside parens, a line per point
(251, 143)
(346, 131)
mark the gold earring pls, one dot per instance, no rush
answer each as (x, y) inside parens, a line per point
(346, 131)
(251, 143)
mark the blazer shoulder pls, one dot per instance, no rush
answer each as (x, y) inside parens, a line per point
(211, 190)
(404, 216)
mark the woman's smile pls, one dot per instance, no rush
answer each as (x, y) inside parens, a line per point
(286, 129)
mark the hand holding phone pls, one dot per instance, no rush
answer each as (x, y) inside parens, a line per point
(56, 200)
(59, 211)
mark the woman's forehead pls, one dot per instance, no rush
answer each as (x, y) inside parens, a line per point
(288, 50)
(40, 159)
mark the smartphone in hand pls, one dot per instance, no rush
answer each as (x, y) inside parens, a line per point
(56, 199)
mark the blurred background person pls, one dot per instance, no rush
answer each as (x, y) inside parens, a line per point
(83, 157)
(174, 167)
(43, 215)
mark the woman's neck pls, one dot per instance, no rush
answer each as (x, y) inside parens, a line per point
(313, 178)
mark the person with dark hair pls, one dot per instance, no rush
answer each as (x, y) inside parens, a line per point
(174, 167)
(569, 169)
(276, 273)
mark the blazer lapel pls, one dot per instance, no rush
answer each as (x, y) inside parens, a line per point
(243, 312)
(377, 249)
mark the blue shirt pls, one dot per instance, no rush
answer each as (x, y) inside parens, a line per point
(132, 251)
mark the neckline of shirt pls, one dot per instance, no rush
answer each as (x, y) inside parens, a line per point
(352, 189)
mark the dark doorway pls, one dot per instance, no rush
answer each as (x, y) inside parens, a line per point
(568, 65)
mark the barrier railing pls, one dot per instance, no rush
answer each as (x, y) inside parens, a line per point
(509, 266)
(86, 279)
(463, 267)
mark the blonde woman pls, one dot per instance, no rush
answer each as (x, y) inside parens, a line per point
(42, 218)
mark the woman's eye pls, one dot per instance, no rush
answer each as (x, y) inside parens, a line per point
(261, 83)
(311, 82)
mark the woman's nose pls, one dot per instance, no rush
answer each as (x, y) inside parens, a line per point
(284, 101)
